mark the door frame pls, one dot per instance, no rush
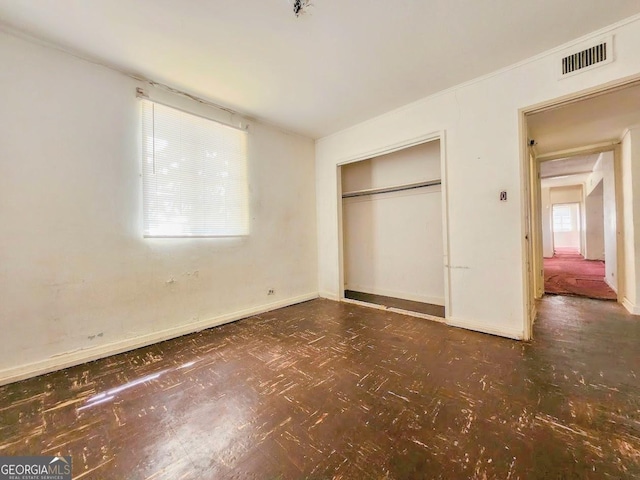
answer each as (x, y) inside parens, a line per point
(440, 136)
(533, 254)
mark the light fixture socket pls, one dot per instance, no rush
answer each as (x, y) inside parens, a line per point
(300, 7)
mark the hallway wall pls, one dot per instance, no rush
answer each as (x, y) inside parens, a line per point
(594, 224)
(545, 218)
(610, 219)
(604, 174)
(630, 166)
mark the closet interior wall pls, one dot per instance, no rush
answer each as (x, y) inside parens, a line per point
(393, 241)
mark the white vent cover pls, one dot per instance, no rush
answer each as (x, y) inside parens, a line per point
(582, 59)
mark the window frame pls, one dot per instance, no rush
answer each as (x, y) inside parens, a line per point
(565, 223)
(242, 228)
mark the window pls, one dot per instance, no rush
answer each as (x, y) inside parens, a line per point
(562, 218)
(194, 175)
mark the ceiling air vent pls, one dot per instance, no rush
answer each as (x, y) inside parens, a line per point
(594, 56)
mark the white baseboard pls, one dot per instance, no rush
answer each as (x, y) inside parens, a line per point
(466, 324)
(329, 296)
(69, 359)
(631, 308)
(401, 295)
(484, 328)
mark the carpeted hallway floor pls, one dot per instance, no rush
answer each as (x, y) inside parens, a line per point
(568, 273)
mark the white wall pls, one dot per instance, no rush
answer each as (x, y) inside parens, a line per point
(393, 241)
(594, 224)
(409, 165)
(630, 166)
(487, 246)
(594, 213)
(626, 162)
(596, 176)
(610, 219)
(545, 218)
(77, 278)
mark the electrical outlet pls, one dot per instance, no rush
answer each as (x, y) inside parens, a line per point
(271, 292)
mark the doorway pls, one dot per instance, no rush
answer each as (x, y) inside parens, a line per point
(602, 124)
(566, 226)
(578, 226)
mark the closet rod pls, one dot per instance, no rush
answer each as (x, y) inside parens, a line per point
(399, 188)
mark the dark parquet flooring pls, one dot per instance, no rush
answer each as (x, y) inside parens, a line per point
(323, 390)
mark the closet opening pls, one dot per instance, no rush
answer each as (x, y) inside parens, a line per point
(392, 231)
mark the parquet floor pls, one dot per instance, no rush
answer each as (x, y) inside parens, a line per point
(323, 390)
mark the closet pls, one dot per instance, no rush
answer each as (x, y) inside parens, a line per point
(392, 230)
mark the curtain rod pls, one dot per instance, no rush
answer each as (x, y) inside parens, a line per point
(140, 93)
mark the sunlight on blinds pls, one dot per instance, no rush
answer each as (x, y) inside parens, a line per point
(194, 175)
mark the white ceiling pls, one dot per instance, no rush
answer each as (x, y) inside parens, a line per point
(345, 62)
(587, 122)
(568, 166)
(565, 181)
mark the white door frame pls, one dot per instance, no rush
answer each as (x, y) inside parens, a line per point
(428, 137)
(531, 251)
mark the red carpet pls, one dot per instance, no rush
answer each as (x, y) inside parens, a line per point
(568, 273)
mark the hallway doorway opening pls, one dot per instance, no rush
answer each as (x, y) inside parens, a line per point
(578, 225)
(582, 150)
(566, 227)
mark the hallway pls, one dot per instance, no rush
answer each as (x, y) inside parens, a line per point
(568, 273)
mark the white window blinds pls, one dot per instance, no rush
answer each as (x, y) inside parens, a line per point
(194, 175)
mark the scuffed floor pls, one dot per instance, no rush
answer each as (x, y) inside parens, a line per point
(326, 390)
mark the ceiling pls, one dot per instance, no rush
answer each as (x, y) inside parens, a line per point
(345, 62)
(568, 166)
(587, 122)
